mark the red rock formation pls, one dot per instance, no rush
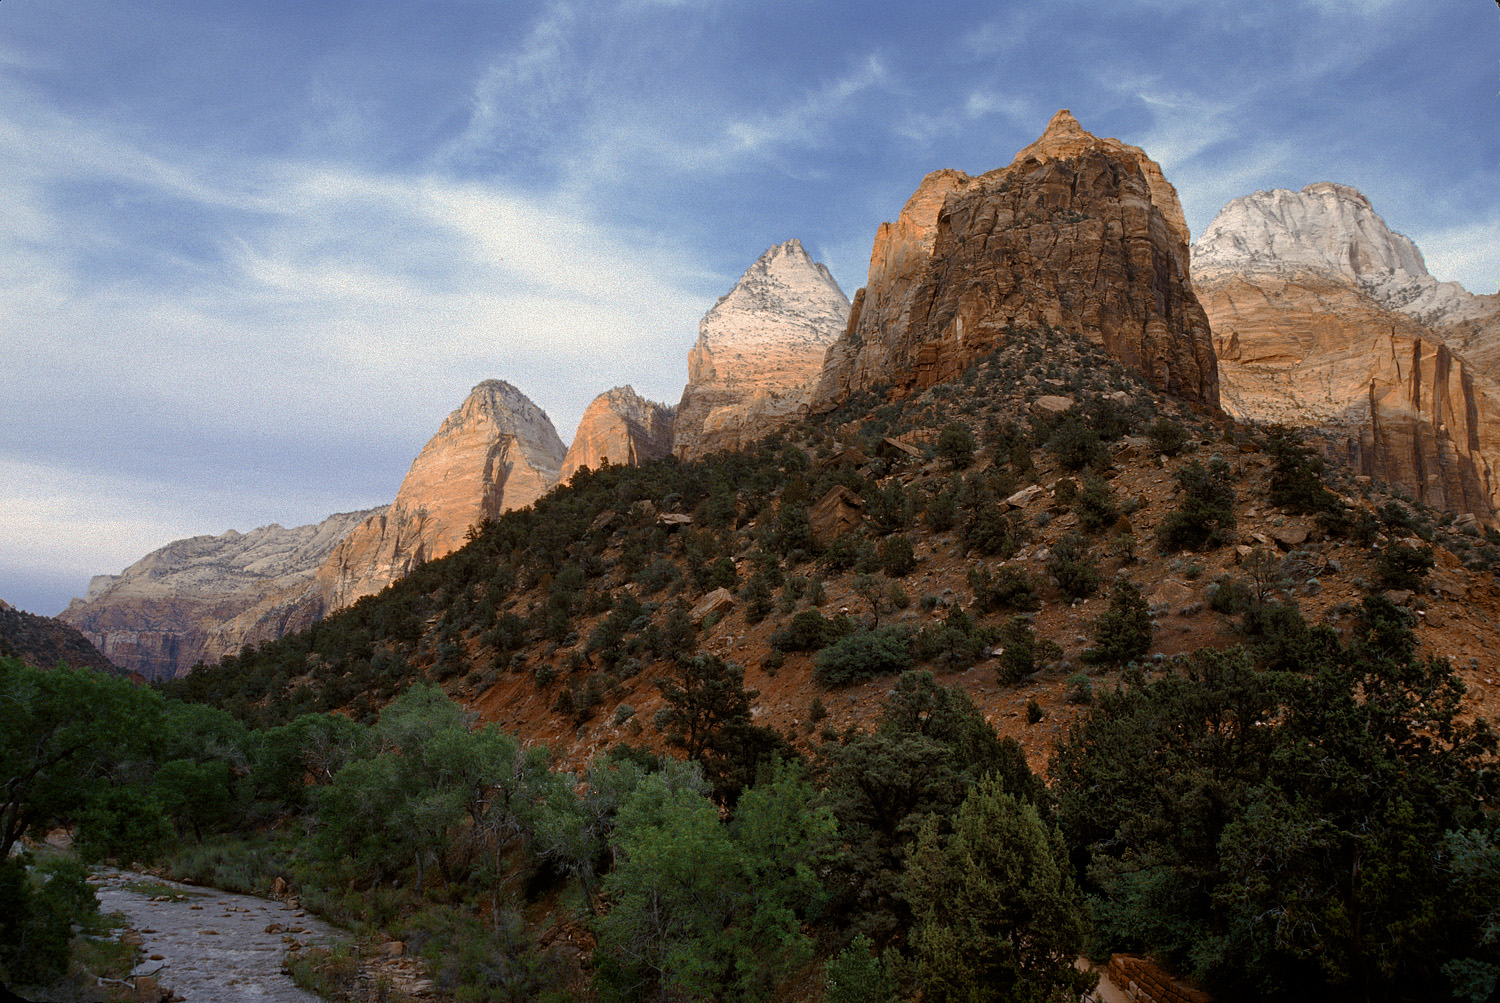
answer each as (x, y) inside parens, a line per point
(1079, 232)
(620, 426)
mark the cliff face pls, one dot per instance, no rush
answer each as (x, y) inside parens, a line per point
(161, 615)
(1315, 324)
(497, 452)
(1078, 232)
(622, 427)
(759, 351)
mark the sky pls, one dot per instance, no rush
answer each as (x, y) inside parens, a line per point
(252, 254)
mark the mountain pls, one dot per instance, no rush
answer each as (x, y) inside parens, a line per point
(44, 641)
(1079, 233)
(158, 616)
(620, 426)
(1323, 316)
(496, 453)
(759, 352)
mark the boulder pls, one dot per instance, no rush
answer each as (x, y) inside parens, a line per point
(716, 603)
(836, 513)
(1051, 404)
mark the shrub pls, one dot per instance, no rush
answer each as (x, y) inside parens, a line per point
(1034, 712)
(1018, 651)
(1403, 567)
(1123, 632)
(1007, 588)
(1205, 515)
(956, 445)
(1296, 474)
(942, 511)
(1076, 445)
(808, 631)
(1072, 567)
(1168, 436)
(1096, 506)
(1080, 689)
(1230, 596)
(896, 556)
(864, 654)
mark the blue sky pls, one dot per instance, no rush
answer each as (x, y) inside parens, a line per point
(251, 254)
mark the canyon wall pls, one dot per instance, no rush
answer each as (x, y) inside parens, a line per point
(622, 427)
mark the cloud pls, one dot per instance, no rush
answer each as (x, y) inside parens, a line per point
(1464, 254)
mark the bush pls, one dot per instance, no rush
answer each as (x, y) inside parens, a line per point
(1204, 517)
(1403, 567)
(809, 631)
(1072, 567)
(864, 654)
(956, 445)
(1230, 596)
(1034, 712)
(1080, 689)
(1123, 632)
(1007, 588)
(1168, 436)
(1077, 446)
(942, 511)
(896, 556)
(1096, 506)
(1297, 474)
(1018, 651)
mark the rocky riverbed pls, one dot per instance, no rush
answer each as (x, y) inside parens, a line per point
(208, 946)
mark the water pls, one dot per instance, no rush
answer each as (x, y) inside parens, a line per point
(214, 944)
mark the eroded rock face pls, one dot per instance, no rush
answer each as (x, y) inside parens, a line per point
(621, 427)
(1323, 317)
(166, 612)
(1079, 232)
(759, 352)
(496, 453)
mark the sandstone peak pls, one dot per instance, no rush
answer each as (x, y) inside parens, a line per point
(1077, 232)
(620, 426)
(759, 350)
(498, 451)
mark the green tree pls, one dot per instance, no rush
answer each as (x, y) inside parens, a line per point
(1205, 514)
(1123, 632)
(956, 445)
(999, 915)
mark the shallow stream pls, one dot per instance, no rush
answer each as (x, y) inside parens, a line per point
(209, 946)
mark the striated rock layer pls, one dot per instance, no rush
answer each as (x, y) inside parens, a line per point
(622, 427)
(1079, 232)
(165, 613)
(759, 352)
(497, 452)
(1323, 317)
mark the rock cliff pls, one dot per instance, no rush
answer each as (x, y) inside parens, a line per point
(759, 352)
(165, 613)
(1078, 232)
(497, 452)
(620, 426)
(1324, 317)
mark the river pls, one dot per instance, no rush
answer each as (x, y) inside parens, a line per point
(211, 946)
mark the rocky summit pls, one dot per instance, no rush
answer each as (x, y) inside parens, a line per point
(759, 352)
(1323, 316)
(1078, 232)
(163, 614)
(620, 426)
(496, 453)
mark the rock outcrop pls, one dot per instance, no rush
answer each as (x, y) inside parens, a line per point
(497, 452)
(1323, 317)
(622, 427)
(165, 613)
(759, 352)
(1079, 232)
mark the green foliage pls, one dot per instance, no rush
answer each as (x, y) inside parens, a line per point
(1076, 445)
(1168, 436)
(1122, 633)
(1403, 567)
(1018, 651)
(942, 510)
(999, 914)
(1262, 826)
(956, 445)
(1205, 514)
(864, 654)
(63, 735)
(1007, 588)
(856, 975)
(809, 630)
(38, 909)
(1297, 474)
(1096, 507)
(896, 556)
(1072, 567)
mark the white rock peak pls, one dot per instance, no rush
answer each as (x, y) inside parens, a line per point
(784, 299)
(511, 412)
(1333, 230)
